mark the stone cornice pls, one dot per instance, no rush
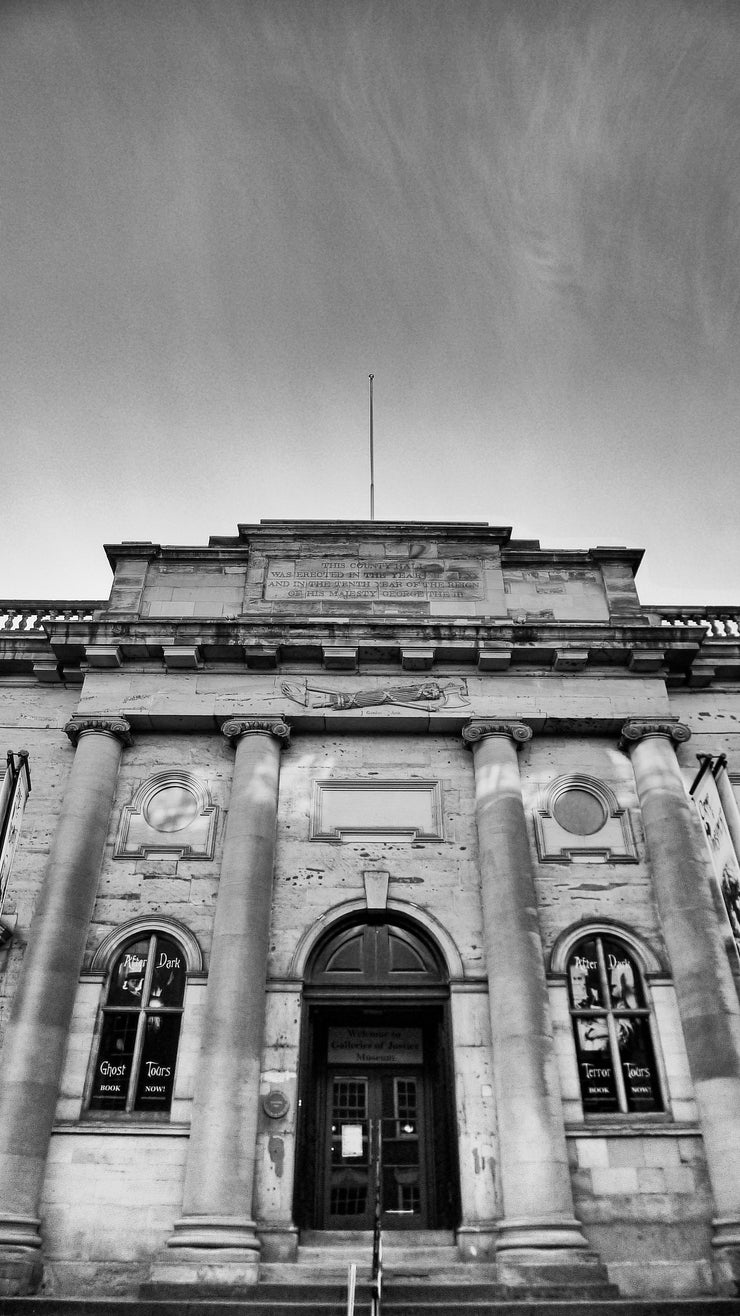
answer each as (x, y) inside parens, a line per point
(533, 638)
(476, 730)
(349, 531)
(237, 727)
(515, 554)
(109, 726)
(59, 649)
(636, 730)
(230, 552)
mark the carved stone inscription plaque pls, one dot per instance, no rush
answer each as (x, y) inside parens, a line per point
(424, 579)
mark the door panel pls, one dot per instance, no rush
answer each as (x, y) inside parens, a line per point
(404, 1198)
(380, 1105)
(348, 1203)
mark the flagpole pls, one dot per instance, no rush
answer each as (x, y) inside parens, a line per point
(372, 455)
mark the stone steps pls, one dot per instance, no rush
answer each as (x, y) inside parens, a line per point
(323, 1264)
(430, 1260)
(423, 1275)
(396, 1303)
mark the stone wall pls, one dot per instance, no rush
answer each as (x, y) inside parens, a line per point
(646, 1189)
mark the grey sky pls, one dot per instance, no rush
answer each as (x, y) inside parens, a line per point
(218, 218)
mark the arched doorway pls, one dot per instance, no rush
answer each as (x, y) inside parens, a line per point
(375, 1066)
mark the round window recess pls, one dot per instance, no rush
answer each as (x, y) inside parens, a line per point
(171, 809)
(579, 812)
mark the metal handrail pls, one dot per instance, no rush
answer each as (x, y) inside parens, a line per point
(351, 1286)
(377, 1271)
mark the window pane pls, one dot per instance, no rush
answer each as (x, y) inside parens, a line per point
(113, 1070)
(127, 979)
(625, 988)
(583, 978)
(403, 955)
(157, 1072)
(348, 956)
(638, 1064)
(598, 1084)
(612, 1032)
(168, 979)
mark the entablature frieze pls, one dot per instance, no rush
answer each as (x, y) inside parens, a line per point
(376, 721)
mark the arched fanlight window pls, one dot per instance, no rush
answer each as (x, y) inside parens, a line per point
(137, 1051)
(372, 955)
(612, 1027)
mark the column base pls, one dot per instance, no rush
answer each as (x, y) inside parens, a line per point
(726, 1255)
(477, 1242)
(549, 1232)
(279, 1242)
(206, 1256)
(21, 1263)
(21, 1272)
(550, 1253)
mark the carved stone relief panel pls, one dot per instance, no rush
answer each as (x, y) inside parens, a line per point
(171, 812)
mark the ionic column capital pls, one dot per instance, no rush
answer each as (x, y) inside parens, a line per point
(236, 727)
(476, 731)
(633, 732)
(117, 727)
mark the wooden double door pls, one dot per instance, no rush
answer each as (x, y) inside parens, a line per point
(375, 1142)
(375, 1095)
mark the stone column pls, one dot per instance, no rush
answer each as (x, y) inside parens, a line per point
(729, 804)
(38, 1028)
(539, 1230)
(705, 989)
(215, 1245)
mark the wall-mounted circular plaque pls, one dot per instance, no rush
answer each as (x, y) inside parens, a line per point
(275, 1104)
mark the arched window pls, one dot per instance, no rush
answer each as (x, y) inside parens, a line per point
(137, 1051)
(612, 1028)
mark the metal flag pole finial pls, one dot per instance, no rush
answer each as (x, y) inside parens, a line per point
(372, 454)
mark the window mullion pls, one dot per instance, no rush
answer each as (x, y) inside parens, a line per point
(612, 1028)
(141, 1025)
(136, 1061)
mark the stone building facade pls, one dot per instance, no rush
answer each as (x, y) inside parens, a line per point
(346, 837)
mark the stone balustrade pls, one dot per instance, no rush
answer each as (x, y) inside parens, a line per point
(28, 615)
(31, 616)
(721, 622)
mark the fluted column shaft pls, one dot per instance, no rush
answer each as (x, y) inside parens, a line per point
(219, 1180)
(535, 1178)
(705, 990)
(38, 1028)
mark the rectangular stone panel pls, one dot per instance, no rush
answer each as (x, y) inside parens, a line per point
(398, 810)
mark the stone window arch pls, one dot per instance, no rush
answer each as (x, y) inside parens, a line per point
(612, 1020)
(135, 1051)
